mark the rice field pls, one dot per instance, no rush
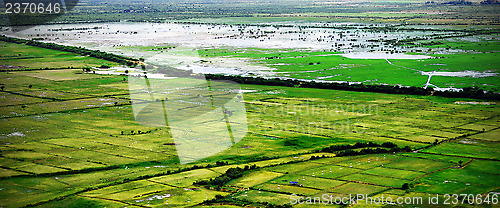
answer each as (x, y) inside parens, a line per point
(72, 139)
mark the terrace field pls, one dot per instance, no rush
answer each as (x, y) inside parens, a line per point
(71, 139)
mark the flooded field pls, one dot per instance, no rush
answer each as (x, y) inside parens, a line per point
(273, 49)
(128, 38)
(320, 36)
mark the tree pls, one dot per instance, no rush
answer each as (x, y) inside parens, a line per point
(460, 162)
(405, 186)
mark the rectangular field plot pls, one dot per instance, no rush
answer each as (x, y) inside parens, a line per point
(81, 165)
(83, 201)
(94, 144)
(286, 189)
(393, 173)
(39, 169)
(293, 168)
(155, 144)
(43, 91)
(185, 179)
(358, 188)
(97, 157)
(59, 75)
(35, 196)
(423, 138)
(54, 107)
(13, 99)
(136, 192)
(460, 181)
(264, 196)
(493, 135)
(376, 180)
(30, 155)
(179, 197)
(451, 160)
(254, 178)
(94, 150)
(330, 171)
(110, 190)
(274, 161)
(8, 173)
(478, 127)
(484, 166)
(368, 162)
(417, 164)
(36, 57)
(474, 149)
(444, 133)
(307, 181)
(82, 86)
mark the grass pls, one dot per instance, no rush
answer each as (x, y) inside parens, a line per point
(308, 181)
(336, 171)
(47, 147)
(417, 164)
(288, 189)
(478, 150)
(181, 179)
(477, 55)
(28, 57)
(51, 129)
(254, 178)
(460, 180)
(264, 196)
(357, 188)
(490, 136)
(393, 173)
(375, 180)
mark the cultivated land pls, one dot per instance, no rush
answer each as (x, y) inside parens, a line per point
(439, 57)
(89, 161)
(69, 137)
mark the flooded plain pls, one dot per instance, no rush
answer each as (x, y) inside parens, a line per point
(178, 45)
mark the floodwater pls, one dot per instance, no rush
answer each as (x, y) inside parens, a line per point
(109, 35)
(137, 39)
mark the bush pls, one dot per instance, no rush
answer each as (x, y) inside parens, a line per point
(405, 186)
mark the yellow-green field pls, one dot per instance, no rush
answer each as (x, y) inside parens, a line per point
(70, 139)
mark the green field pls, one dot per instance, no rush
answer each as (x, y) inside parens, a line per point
(479, 56)
(70, 138)
(102, 161)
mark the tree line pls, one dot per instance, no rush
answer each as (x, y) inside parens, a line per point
(347, 150)
(468, 92)
(230, 174)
